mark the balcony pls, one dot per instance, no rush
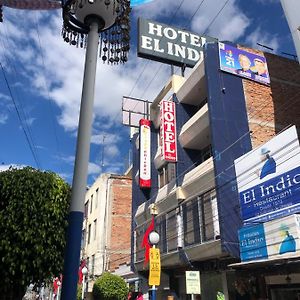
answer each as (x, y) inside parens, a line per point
(193, 91)
(193, 225)
(195, 133)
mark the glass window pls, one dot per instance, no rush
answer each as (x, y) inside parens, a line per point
(171, 231)
(83, 239)
(93, 265)
(96, 198)
(86, 209)
(89, 233)
(95, 229)
(91, 205)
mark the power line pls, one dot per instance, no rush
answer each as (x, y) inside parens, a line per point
(20, 119)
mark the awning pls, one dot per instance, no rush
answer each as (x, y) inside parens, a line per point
(287, 258)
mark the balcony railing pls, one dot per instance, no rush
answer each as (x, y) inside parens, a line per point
(193, 222)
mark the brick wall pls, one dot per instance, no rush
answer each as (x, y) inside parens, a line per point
(272, 108)
(119, 248)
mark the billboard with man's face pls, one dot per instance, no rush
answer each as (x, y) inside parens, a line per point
(243, 63)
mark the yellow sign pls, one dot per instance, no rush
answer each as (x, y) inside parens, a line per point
(154, 267)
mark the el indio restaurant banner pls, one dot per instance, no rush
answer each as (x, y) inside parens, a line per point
(170, 45)
(145, 153)
(168, 133)
(278, 238)
(243, 63)
(268, 179)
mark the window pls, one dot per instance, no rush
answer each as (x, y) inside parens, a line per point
(206, 153)
(93, 265)
(89, 233)
(91, 206)
(166, 174)
(86, 209)
(96, 200)
(171, 230)
(95, 229)
(83, 239)
(191, 222)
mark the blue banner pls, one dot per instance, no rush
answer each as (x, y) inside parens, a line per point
(253, 243)
(273, 198)
(243, 63)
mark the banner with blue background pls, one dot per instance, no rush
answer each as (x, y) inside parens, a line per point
(243, 63)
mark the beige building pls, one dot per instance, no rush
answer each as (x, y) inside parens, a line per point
(107, 226)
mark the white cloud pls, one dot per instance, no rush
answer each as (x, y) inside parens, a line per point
(3, 118)
(94, 168)
(264, 38)
(12, 166)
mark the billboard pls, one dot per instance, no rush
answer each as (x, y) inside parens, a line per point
(170, 45)
(243, 63)
(168, 133)
(145, 153)
(268, 179)
(275, 239)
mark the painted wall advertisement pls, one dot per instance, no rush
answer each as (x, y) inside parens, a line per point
(243, 63)
(168, 133)
(274, 239)
(268, 179)
(145, 153)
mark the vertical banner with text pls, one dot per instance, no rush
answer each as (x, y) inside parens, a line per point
(154, 266)
(168, 133)
(145, 153)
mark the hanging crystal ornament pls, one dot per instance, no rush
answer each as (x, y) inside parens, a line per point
(114, 26)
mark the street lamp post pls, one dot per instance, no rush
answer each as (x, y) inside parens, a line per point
(85, 23)
(84, 273)
(154, 240)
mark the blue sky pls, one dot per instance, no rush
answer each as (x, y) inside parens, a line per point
(44, 75)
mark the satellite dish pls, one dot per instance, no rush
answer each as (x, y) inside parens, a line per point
(139, 2)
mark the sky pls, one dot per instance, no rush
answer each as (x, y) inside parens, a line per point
(41, 79)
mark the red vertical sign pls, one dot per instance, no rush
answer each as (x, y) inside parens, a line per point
(145, 153)
(168, 131)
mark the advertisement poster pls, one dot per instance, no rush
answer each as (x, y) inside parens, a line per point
(275, 239)
(243, 63)
(145, 153)
(268, 179)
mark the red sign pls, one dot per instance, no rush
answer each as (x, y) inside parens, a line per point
(145, 153)
(168, 131)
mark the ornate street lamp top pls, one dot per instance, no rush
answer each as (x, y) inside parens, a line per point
(114, 25)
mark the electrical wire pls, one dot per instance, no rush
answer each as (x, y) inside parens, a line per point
(31, 147)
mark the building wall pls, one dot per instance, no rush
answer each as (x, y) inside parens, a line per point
(111, 207)
(120, 229)
(271, 109)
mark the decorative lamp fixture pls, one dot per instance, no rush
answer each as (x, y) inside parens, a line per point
(114, 26)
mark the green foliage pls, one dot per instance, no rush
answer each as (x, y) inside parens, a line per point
(110, 287)
(33, 220)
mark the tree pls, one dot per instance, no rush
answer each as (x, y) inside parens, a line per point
(33, 221)
(110, 287)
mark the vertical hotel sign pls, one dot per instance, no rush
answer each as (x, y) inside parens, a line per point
(145, 153)
(168, 131)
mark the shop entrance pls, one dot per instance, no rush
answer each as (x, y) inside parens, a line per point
(285, 293)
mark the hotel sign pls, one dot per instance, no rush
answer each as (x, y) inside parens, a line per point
(170, 45)
(145, 153)
(268, 179)
(168, 133)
